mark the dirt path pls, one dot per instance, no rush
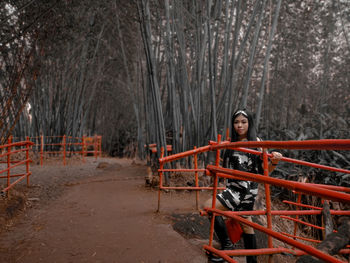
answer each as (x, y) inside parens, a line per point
(84, 214)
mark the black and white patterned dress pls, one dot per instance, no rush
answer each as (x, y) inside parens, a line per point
(240, 195)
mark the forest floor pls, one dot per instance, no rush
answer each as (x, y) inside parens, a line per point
(102, 211)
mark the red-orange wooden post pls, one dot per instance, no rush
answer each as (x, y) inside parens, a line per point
(268, 200)
(100, 145)
(296, 216)
(217, 162)
(161, 165)
(41, 149)
(196, 176)
(9, 141)
(211, 231)
(95, 146)
(27, 159)
(64, 149)
(215, 188)
(297, 208)
(83, 148)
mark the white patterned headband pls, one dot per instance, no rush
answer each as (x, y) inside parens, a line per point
(241, 112)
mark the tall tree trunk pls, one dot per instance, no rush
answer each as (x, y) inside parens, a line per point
(171, 81)
(144, 14)
(252, 53)
(266, 61)
(214, 128)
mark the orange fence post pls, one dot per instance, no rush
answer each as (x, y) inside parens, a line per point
(196, 178)
(267, 200)
(95, 146)
(215, 187)
(100, 145)
(296, 216)
(64, 149)
(161, 165)
(211, 231)
(227, 134)
(217, 160)
(9, 162)
(83, 148)
(27, 159)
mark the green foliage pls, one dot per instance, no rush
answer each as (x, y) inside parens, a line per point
(327, 126)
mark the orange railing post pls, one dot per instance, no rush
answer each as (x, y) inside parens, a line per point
(9, 162)
(161, 165)
(267, 200)
(196, 177)
(296, 216)
(217, 160)
(100, 145)
(215, 187)
(83, 148)
(27, 159)
(211, 231)
(95, 146)
(227, 134)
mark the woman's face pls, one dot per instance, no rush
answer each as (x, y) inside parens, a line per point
(241, 126)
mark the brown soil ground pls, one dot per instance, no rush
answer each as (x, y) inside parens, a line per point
(101, 211)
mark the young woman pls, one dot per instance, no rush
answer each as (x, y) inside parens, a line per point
(240, 195)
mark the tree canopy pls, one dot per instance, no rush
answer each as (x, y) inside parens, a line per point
(172, 72)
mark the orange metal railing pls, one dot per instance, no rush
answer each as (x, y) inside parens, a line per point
(326, 192)
(196, 170)
(8, 152)
(153, 147)
(66, 146)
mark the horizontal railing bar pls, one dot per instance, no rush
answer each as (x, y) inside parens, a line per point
(181, 170)
(301, 187)
(190, 188)
(12, 175)
(15, 165)
(15, 182)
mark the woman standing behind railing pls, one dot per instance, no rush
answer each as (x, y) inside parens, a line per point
(240, 195)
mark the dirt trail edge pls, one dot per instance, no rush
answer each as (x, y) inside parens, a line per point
(100, 215)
